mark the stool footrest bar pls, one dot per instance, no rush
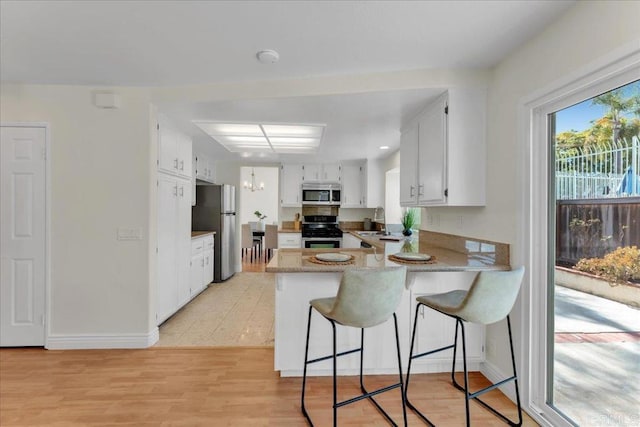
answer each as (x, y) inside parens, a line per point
(366, 395)
(320, 359)
(433, 351)
(491, 387)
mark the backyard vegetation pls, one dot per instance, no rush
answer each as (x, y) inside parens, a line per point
(617, 267)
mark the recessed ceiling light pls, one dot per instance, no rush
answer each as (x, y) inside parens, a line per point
(268, 56)
(384, 147)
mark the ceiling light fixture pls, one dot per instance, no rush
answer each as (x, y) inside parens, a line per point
(252, 185)
(384, 147)
(265, 138)
(268, 56)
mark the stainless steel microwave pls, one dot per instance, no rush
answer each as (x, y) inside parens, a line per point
(321, 194)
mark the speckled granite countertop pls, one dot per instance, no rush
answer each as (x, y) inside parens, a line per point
(452, 253)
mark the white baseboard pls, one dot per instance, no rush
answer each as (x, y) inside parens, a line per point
(102, 341)
(494, 375)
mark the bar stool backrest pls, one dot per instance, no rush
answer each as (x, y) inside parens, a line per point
(491, 296)
(368, 297)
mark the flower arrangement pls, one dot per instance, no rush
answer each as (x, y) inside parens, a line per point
(617, 267)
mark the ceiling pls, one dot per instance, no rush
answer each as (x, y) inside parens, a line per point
(176, 43)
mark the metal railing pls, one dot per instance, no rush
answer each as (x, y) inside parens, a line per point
(596, 172)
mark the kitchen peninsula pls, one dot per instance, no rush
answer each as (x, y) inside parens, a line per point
(456, 260)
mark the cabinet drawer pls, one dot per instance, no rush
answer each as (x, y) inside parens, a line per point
(289, 240)
(197, 246)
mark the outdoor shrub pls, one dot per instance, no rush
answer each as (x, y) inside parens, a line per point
(619, 266)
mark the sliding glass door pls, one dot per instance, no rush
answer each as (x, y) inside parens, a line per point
(583, 238)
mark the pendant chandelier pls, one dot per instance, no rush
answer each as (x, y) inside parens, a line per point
(252, 185)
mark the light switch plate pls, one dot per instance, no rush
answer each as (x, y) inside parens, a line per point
(125, 233)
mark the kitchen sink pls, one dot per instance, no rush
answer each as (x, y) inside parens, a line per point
(369, 233)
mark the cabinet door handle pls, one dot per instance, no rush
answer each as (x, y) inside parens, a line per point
(181, 165)
(202, 262)
(175, 163)
(411, 188)
(175, 190)
(420, 190)
(181, 191)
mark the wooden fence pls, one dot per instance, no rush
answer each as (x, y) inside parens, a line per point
(593, 227)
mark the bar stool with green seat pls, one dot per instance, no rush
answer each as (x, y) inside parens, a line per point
(366, 298)
(489, 300)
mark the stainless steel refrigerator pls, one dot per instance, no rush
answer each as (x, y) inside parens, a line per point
(215, 210)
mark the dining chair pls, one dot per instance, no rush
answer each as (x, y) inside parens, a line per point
(270, 240)
(248, 243)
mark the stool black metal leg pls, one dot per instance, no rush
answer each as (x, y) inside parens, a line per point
(334, 356)
(402, 394)
(466, 373)
(476, 395)
(515, 375)
(370, 395)
(335, 379)
(304, 372)
(411, 357)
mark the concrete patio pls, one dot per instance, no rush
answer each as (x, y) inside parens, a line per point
(597, 360)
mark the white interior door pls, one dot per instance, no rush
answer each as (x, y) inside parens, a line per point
(23, 216)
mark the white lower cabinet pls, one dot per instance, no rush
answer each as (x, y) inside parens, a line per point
(295, 290)
(208, 260)
(201, 272)
(196, 273)
(349, 241)
(289, 240)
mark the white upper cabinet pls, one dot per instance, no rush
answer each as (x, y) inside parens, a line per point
(409, 166)
(174, 150)
(311, 172)
(290, 185)
(329, 172)
(443, 154)
(204, 168)
(352, 186)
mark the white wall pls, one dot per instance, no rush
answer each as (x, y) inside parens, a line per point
(585, 32)
(100, 180)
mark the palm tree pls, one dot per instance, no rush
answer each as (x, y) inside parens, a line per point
(618, 105)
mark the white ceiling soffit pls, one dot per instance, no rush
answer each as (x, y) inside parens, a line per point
(173, 43)
(356, 124)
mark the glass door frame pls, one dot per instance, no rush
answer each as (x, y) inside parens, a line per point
(538, 219)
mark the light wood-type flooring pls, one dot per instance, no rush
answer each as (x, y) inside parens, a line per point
(202, 387)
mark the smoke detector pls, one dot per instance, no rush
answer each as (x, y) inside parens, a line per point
(268, 56)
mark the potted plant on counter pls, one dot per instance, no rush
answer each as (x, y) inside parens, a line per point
(260, 226)
(408, 221)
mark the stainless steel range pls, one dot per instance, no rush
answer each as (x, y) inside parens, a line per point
(320, 227)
